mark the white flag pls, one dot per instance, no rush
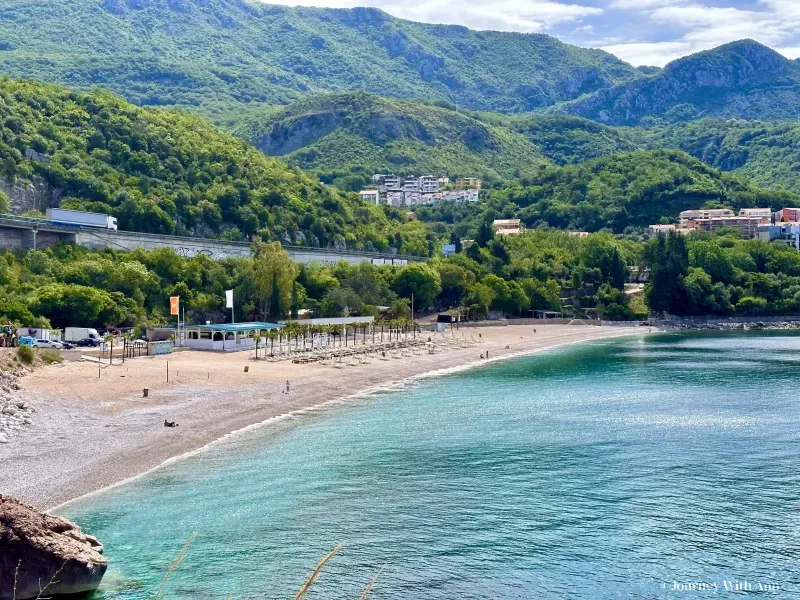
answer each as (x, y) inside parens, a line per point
(229, 298)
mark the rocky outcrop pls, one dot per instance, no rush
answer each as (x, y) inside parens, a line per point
(45, 555)
(742, 79)
(25, 195)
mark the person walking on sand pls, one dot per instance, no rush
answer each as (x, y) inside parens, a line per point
(287, 386)
(487, 354)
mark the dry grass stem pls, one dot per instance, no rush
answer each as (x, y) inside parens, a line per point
(372, 583)
(175, 564)
(16, 573)
(315, 574)
(49, 583)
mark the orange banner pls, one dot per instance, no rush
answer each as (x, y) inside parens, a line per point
(174, 304)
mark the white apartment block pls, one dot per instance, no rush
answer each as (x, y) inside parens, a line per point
(765, 214)
(411, 185)
(371, 196)
(429, 184)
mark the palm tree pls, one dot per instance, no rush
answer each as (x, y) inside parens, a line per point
(257, 336)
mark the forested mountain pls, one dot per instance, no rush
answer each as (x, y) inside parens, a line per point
(171, 172)
(615, 192)
(742, 79)
(569, 140)
(766, 153)
(345, 138)
(348, 137)
(206, 52)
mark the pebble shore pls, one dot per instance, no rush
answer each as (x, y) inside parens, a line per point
(16, 413)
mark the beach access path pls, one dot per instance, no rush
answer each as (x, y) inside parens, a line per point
(93, 431)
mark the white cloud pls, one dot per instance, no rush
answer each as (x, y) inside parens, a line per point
(655, 54)
(642, 4)
(697, 27)
(642, 32)
(501, 15)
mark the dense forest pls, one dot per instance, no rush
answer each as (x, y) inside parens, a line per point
(174, 173)
(542, 270)
(220, 55)
(614, 192)
(346, 138)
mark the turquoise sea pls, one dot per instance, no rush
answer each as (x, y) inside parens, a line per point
(656, 467)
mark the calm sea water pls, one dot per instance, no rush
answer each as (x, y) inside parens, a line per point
(622, 469)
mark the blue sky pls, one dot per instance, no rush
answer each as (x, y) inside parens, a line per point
(642, 32)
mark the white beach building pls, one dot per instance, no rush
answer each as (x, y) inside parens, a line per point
(227, 337)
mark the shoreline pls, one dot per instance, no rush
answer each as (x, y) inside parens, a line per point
(52, 473)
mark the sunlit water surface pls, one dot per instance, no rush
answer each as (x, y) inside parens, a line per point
(638, 468)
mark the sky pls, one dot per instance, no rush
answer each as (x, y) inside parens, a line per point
(641, 32)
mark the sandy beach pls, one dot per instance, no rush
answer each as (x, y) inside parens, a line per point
(90, 432)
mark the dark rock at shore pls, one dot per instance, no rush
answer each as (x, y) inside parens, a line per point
(45, 554)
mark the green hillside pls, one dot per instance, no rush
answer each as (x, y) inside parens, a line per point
(766, 153)
(174, 173)
(360, 134)
(615, 192)
(568, 140)
(346, 138)
(743, 79)
(211, 53)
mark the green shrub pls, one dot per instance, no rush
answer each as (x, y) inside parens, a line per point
(51, 356)
(25, 354)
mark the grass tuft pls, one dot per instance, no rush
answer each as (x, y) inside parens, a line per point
(25, 354)
(175, 564)
(316, 572)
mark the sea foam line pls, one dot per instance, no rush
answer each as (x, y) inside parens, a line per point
(392, 386)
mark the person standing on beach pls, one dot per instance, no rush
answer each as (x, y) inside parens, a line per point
(487, 354)
(287, 386)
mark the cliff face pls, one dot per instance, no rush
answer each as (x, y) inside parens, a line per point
(742, 79)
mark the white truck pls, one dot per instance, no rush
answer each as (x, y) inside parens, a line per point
(76, 334)
(78, 217)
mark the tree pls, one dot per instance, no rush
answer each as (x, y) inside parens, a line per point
(455, 281)
(421, 280)
(69, 305)
(668, 260)
(274, 272)
(294, 301)
(485, 233)
(612, 303)
(478, 299)
(275, 304)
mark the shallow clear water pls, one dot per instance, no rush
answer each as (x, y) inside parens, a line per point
(610, 470)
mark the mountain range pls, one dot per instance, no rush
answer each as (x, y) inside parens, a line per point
(227, 57)
(206, 52)
(346, 93)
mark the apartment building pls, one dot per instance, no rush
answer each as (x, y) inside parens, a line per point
(373, 196)
(747, 225)
(468, 183)
(787, 215)
(712, 213)
(665, 229)
(507, 226)
(411, 185)
(429, 184)
(781, 233)
(765, 214)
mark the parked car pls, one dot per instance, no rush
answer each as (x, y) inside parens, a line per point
(88, 343)
(68, 345)
(48, 344)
